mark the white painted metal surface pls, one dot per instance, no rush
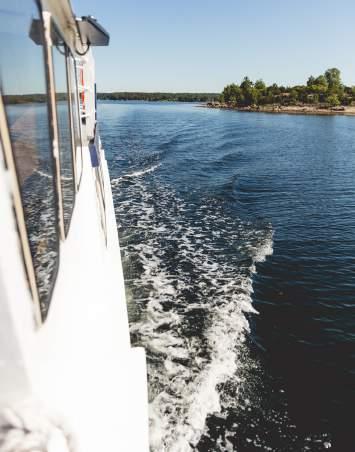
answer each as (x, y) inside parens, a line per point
(79, 364)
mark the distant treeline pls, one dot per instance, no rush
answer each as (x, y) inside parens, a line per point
(24, 98)
(154, 97)
(326, 89)
(30, 98)
(173, 97)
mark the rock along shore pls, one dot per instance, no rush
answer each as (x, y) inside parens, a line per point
(302, 109)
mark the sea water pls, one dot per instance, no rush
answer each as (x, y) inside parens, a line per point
(238, 243)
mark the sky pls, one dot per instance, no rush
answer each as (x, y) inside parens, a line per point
(202, 45)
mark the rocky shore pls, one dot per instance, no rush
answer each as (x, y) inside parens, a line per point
(300, 109)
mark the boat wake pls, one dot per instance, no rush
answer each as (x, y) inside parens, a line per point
(192, 238)
(140, 173)
(189, 274)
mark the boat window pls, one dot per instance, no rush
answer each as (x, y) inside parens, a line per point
(24, 94)
(60, 56)
(74, 99)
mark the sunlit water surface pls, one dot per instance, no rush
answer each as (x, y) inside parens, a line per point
(238, 243)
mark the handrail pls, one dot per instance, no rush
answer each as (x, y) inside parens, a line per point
(96, 163)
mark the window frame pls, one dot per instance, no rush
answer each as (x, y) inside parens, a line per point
(55, 28)
(10, 163)
(27, 258)
(52, 25)
(77, 157)
(46, 21)
(52, 112)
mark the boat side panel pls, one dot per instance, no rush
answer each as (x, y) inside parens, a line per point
(84, 365)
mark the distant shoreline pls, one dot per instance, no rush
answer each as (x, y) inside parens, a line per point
(159, 96)
(305, 109)
(14, 99)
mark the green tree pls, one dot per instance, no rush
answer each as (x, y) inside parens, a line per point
(311, 81)
(249, 94)
(233, 94)
(320, 87)
(325, 88)
(321, 81)
(333, 100)
(333, 78)
(274, 89)
(246, 84)
(253, 96)
(228, 92)
(293, 96)
(260, 85)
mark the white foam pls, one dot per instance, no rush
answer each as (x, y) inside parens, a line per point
(43, 174)
(135, 174)
(50, 176)
(185, 371)
(264, 250)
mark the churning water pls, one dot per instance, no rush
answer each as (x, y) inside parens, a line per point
(238, 243)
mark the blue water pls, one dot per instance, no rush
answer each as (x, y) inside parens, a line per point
(238, 244)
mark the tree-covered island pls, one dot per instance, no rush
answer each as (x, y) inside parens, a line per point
(322, 94)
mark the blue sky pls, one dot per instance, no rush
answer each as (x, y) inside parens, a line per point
(201, 45)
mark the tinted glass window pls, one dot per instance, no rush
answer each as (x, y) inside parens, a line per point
(24, 88)
(60, 55)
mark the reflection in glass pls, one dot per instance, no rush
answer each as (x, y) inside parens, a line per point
(60, 56)
(24, 88)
